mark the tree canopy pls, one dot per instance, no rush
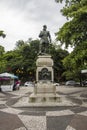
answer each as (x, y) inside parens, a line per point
(74, 33)
(22, 60)
(2, 34)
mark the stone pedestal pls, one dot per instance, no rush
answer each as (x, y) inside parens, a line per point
(44, 70)
(44, 90)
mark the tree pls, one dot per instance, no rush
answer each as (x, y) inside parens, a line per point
(2, 60)
(1, 50)
(58, 54)
(29, 54)
(2, 34)
(22, 60)
(20, 44)
(74, 33)
(13, 59)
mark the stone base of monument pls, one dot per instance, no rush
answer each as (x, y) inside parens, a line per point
(44, 92)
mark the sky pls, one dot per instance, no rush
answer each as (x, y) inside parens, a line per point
(24, 19)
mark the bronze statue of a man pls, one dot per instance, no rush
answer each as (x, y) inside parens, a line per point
(44, 41)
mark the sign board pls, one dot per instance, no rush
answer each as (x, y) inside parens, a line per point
(84, 71)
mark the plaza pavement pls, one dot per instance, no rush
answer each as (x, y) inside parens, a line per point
(16, 113)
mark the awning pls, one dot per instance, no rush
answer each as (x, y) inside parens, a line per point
(8, 75)
(4, 78)
(84, 71)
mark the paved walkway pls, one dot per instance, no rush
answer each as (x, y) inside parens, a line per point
(15, 114)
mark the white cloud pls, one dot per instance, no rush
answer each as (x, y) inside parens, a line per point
(22, 19)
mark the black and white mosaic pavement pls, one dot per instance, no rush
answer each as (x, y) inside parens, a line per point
(63, 117)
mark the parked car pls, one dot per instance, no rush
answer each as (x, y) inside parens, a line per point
(85, 83)
(77, 84)
(29, 84)
(72, 83)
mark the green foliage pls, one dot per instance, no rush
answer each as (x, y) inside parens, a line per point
(2, 34)
(2, 61)
(1, 50)
(74, 34)
(20, 44)
(13, 59)
(2, 65)
(58, 55)
(22, 60)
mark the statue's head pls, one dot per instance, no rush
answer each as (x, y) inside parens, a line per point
(44, 27)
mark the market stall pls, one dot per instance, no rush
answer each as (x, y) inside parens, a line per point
(7, 81)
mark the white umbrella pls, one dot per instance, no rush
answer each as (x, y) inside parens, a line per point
(8, 75)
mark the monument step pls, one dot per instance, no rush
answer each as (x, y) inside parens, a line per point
(44, 97)
(45, 88)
